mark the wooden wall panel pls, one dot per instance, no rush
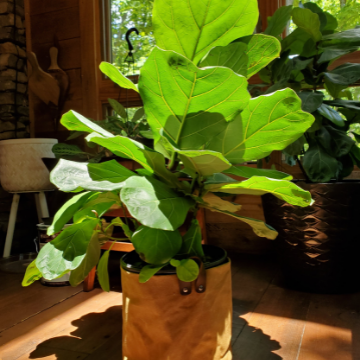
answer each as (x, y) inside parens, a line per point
(45, 6)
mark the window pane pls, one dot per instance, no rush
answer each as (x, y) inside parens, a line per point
(126, 14)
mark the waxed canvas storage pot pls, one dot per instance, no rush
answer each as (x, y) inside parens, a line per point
(161, 324)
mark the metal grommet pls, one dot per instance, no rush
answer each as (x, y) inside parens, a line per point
(201, 288)
(185, 290)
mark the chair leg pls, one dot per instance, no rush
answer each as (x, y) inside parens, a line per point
(89, 281)
(41, 206)
(11, 225)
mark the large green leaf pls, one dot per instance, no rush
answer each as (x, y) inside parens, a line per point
(131, 149)
(156, 246)
(67, 211)
(76, 122)
(191, 245)
(279, 21)
(349, 104)
(341, 142)
(345, 74)
(310, 100)
(216, 202)
(191, 105)
(89, 262)
(31, 275)
(203, 162)
(118, 108)
(67, 251)
(74, 176)
(334, 52)
(116, 76)
(192, 27)
(295, 42)
(318, 164)
(247, 56)
(308, 21)
(268, 123)
(259, 227)
(248, 172)
(102, 271)
(154, 204)
(347, 38)
(331, 114)
(109, 171)
(259, 185)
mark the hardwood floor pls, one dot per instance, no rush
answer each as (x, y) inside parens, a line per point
(269, 322)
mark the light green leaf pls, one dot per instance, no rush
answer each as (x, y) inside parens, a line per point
(67, 211)
(131, 149)
(148, 271)
(31, 275)
(175, 263)
(191, 245)
(259, 185)
(119, 109)
(248, 172)
(203, 162)
(100, 204)
(247, 56)
(156, 246)
(67, 250)
(279, 21)
(76, 122)
(109, 171)
(191, 105)
(74, 176)
(308, 21)
(154, 204)
(102, 271)
(259, 227)
(219, 179)
(192, 28)
(310, 100)
(116, 76)
(331, 115)
(118, 222)
(214, 201)
(89, 262)
(318, 164)
(188, 270)
(268, 123)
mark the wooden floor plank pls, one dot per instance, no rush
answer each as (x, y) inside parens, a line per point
(275, 328)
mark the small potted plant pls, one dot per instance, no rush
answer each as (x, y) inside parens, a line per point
(177, 293)
(319, 253)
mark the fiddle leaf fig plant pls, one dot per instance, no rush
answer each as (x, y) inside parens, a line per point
(204, 125)
(329, 148)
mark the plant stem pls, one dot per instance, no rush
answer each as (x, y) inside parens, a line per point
(302, 169)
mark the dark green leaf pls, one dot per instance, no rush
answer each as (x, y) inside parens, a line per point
(67, 250)
(191, 245)
(67, 211)
(148, 271)
(109, 171)
(295, 41)
(297, 147)
(349, 104)
(102, 271)
(119, 109)
(318, 164)
(332, 115)
(66, 150)
(154, 204)
(188, 270)
(279, 21)
(118, 222)
(192, 28)
(345, 74)
(346, 167)
(139, 114)
(248, 172)
(341, 142)
(89, 262)
(311, 100)
(156, 246)
(317, 124)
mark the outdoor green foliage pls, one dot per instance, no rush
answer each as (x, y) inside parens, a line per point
(204, 124)
(330, 146)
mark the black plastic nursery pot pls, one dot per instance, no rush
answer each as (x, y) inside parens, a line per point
(318, 246)
(162, 322)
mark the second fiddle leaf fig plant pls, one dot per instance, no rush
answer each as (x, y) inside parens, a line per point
(204, 123)
(330, 146)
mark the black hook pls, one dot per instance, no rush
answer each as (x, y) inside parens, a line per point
(131, 48)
